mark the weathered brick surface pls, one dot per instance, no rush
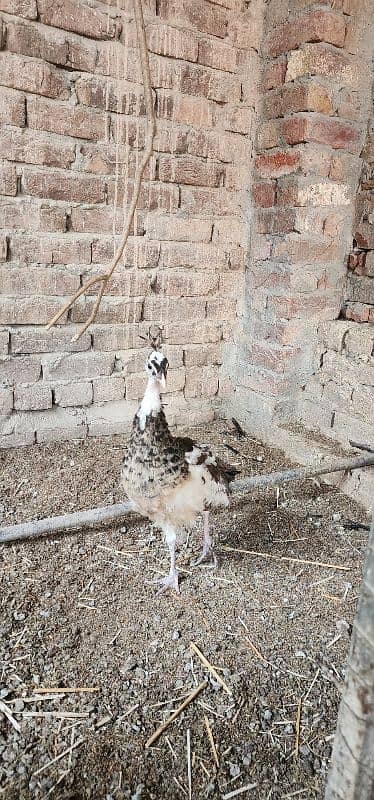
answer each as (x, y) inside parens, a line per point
(73, 130)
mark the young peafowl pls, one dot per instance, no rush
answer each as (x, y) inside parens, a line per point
(170, 479)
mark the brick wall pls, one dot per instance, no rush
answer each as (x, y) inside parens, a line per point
(73, 127)
(359, 293)
(315, 104)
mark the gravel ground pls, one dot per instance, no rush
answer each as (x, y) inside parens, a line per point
(80, 611)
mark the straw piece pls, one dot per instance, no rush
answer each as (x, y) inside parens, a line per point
(7, 712)
(210, 667)
(285, 558)
(298, 720)
(71, 689)
(211, 740)
(156, 735)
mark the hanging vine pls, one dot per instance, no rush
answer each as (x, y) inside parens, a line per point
(103, 280)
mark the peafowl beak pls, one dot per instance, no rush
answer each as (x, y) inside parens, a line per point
(162, 379)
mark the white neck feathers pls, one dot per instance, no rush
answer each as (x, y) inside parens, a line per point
(151, 402)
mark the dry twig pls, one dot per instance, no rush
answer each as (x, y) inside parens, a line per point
(148, 150)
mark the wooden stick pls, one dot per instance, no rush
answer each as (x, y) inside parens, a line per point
(285, 558)
(300, 473)
(66, 522)
(106, 514)
(210, 667)
(148, 150)
(156, 735)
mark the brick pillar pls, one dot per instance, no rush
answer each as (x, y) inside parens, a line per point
(313, 116)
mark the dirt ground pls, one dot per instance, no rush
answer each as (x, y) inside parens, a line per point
(80, 611)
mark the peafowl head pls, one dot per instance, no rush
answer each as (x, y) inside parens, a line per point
(157, 367)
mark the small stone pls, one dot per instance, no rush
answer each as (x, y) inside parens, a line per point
(337, 516)
(129, 664)
(175, 635)
(268, 715)
(234, 770)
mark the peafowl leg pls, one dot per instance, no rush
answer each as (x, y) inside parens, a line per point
(208, 547)
(171, 580)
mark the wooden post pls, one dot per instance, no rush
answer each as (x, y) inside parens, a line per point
(352, 767)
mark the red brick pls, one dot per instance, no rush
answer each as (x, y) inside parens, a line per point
(52, 218)
(246, 29)
(321, 59)
(221, 87)
(110, 95)
(172, 42)
(37, 42)
(139, 251)
(183, 284)
(298, 248)
(298, 97)
(357, 312)
(20, 8)
(184, 109)
(238, 119)
(19, 72)
(264, 194)
(82, 54)
(91, 22)
(35, 148)
(177, 229)
(368, 265)
(73, 394)
(61, 118)
(217, 55)
(8, 179)
(337, 134)
(66, 249)
(63, 186)
(283, 162)
(269, 135)
(20, 282)
(189, 170)
(274, 74)
(279, 221)
(32, 397)
(153, 196)
(343, 167)
(198, 256)
(209, 202)
(313, 26)
(200, 14)
(12, 107)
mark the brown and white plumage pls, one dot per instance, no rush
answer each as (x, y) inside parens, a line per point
(169, 478)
